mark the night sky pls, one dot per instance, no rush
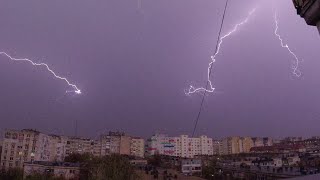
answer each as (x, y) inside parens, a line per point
(134, 64)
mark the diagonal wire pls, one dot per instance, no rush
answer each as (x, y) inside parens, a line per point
(205, 92)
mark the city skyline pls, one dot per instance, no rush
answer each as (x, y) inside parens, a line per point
(133, 67)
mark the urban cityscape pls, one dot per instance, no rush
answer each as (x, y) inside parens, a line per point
(184, 156)
(159, 90)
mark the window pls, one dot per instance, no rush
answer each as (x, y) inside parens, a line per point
(72, 171)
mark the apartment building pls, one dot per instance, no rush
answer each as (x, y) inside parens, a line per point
(81, 146)
(57, 147)
(137, 147)
(217, 147)
(28, 145)
(181, 146)
(246, 143)
(236, 145)
(231, 145)
(162, 144)
(25, 145)
(120, 143)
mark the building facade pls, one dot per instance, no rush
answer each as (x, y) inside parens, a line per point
(237, 145)
(28, 145)
(24, 145)
(120, 143)
(65, 170)
(137, 147)
(181, 146)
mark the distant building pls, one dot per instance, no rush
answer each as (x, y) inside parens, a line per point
(237, 145)
(25, 145)
(257, 142)
(125, 145)
(137, 147)
(182, 146)
(120, 143)
(231, 145)
(81, 146)
(57, 147)
(246, 143)
(191, 166)
(267, 141)
(162, 144)
(217, 147)
(279, 149)
(62, 169)
(29, 145)
(292, 139)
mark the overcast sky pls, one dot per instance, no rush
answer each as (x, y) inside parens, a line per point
(133, 65)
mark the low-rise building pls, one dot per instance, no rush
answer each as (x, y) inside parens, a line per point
(62, 169)
(191, 166)
(279, 149)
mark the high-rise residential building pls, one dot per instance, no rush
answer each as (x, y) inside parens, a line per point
(125, 145)
(236, 145)
(162, 144)
(57, 147)
(120, 143)
(257, 142)
(182, 146)
(231, 145)
(25, 145)
(137, 147)
(267, 141)
(246, 143)
(81, 146)
(217, 147)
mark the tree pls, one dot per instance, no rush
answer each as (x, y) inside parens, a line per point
(11, 174)
(155, 160)
(113, 167)
(40, 176)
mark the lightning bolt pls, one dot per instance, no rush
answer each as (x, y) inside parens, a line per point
(211, 89)
(76, 90)
(296, 62)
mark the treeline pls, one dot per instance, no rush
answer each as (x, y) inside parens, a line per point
(113, 167)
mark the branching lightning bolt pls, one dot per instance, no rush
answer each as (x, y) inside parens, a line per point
(295, 66)
(75, 88)
(211, 89)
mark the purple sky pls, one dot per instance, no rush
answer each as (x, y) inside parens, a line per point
(133, 67)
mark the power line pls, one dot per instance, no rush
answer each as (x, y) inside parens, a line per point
(205, 92)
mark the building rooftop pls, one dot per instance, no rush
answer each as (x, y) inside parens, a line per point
(60, 164)
(309, 177)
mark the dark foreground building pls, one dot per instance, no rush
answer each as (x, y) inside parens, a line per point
(309, 10)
